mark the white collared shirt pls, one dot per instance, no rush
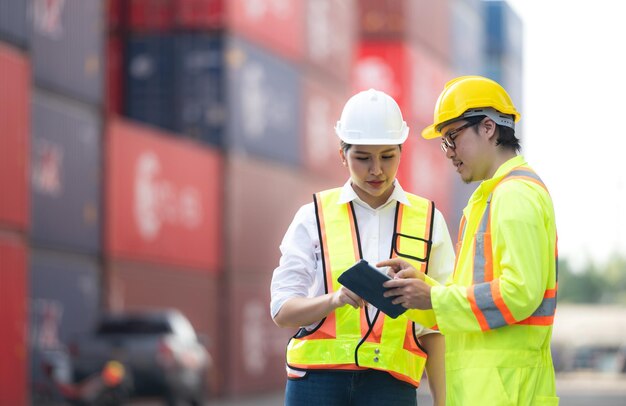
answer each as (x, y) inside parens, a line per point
(300, 272)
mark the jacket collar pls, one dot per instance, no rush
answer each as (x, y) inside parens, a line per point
(487, 186)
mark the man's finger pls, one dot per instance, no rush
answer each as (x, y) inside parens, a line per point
(409, 273)
(394, 263)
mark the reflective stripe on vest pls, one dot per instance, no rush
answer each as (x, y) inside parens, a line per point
(484, 295)
(347, 339)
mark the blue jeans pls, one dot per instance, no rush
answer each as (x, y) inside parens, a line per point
(349, 388)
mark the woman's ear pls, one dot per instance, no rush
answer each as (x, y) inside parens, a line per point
(342, 154)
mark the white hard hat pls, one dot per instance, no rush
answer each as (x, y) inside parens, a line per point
(372, 117)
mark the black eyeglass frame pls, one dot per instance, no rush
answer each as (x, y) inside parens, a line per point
(447, 141)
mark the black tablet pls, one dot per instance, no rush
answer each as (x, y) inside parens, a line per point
(367, 282)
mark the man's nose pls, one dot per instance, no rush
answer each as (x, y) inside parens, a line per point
(450, 153)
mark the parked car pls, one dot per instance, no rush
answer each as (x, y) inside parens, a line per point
(159, 349)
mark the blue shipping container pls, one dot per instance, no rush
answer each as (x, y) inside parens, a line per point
(504, 30)
(200, 102)
(468, 37)
(13, 26)
(65, 174)
(264, 99)
(67, 47)
(176, 82)
(149, 80)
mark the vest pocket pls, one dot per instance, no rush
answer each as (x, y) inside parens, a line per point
(412, 247)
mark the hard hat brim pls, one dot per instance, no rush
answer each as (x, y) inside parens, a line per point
(374, 141)
(430, 132)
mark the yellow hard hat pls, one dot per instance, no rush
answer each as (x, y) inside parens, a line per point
(468, 96)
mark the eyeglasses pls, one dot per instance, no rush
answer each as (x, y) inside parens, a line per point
(447, 141)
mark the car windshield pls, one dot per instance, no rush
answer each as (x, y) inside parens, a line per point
(133, 326)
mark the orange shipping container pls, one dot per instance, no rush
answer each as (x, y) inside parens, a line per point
(15, 85)
(163, 201)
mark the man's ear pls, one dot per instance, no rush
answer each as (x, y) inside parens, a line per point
(490, 127)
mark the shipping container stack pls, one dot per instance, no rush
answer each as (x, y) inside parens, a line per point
(467, 40)
(50, 155)
(404, 50)
(250, 111)
(164, 168)
(487, 40)
(154, 152)
(286, 87)
(15, 113)
(65, 177)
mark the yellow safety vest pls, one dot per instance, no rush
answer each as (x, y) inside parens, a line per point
(497, 314)
(347, 339)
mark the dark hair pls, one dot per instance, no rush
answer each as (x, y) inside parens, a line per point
(345, 146)
(506, 135)
(507, 138)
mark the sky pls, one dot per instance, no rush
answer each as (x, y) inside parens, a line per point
(574, 99)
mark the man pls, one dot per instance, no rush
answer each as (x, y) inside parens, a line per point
(497, 311)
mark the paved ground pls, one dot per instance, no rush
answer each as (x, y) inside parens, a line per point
(579, 389)
(276, 399)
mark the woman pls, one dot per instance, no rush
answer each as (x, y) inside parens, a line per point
(346, 352)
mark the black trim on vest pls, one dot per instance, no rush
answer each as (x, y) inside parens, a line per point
(303, 332)
(356, 230)
(417, 342)
(430, 233)
(319, 235)
(396, 235)
(370, 323)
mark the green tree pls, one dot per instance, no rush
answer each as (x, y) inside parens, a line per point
(578, 287)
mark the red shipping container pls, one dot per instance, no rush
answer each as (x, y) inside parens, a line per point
(15, 83)
(428, 173)
(114, 77)
(384, 65)
(414, 77)
(424, 169)
(149, 15)
(136, 286)
(256, 346)
(199, 14)
(383, 19)
(429, 25)
(277, 25)
(163, 198)
(14, 320)
(429, 74)
(322, 106)
(331, 36)
(114, 15)
(262, 198)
